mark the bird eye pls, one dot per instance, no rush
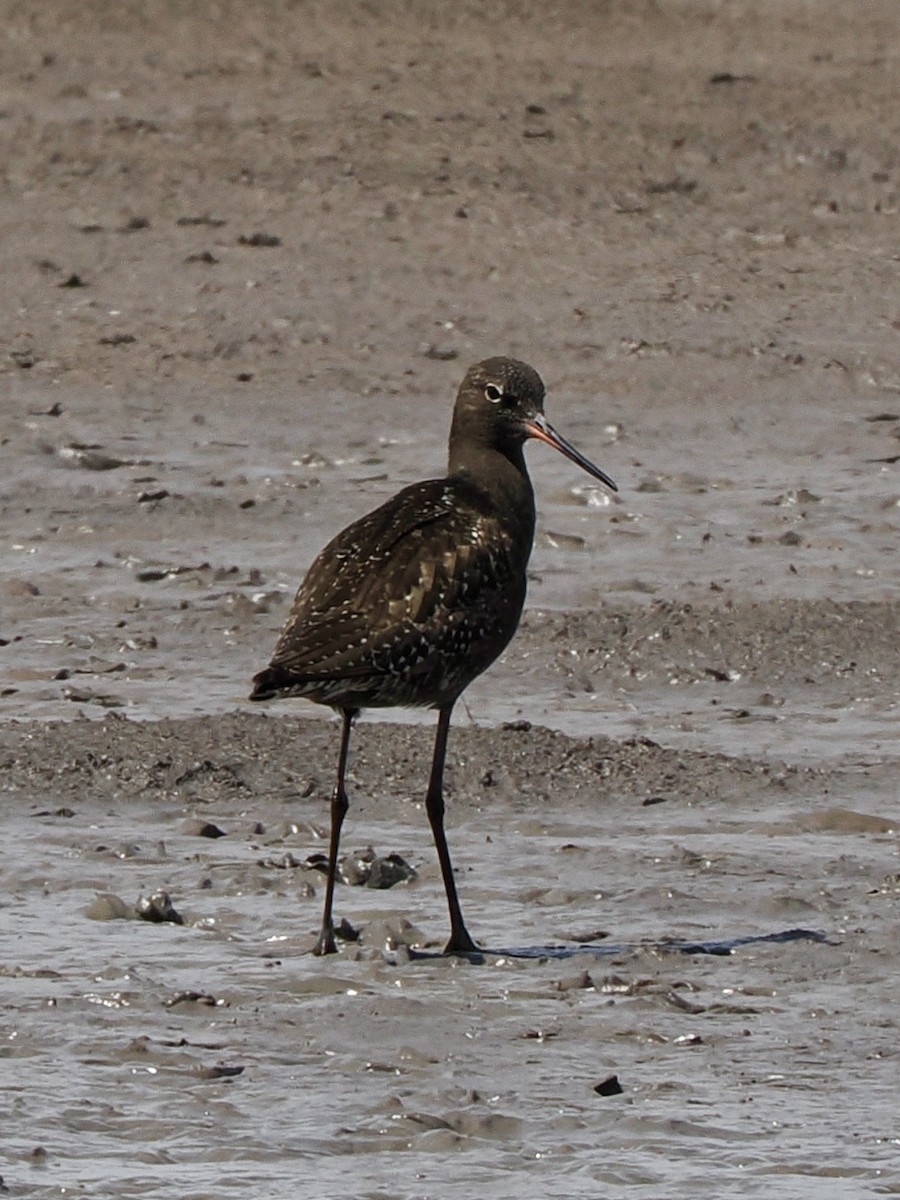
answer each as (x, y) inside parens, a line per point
(493, 393)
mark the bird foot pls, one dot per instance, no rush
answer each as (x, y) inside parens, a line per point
(461, 943)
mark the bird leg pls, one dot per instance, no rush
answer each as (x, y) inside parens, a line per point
(339, 805)
(460, 941)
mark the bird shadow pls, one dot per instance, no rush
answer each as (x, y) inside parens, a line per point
(718, 946)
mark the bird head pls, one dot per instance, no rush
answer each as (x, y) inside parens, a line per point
(501, 404)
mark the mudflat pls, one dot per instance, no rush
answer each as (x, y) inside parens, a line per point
(249, 253)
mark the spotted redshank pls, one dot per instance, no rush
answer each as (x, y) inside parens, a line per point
(409, 604)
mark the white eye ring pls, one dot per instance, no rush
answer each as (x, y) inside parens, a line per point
(493, 393)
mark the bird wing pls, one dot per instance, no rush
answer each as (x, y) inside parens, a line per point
(418, 573)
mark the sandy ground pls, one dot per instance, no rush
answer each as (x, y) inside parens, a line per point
(248, 253)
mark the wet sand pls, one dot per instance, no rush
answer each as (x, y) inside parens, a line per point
(247, 261)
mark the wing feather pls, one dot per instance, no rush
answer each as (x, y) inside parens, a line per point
(421, 581)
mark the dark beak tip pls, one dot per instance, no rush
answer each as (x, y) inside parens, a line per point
(543, 431)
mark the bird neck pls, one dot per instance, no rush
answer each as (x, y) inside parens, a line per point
(500, 474)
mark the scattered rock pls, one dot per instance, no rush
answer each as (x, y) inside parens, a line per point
(107, 907)
(366, 869)
(259, 239)
(190, 997)
(216, 1072)
(195, 827)
(90, 458)
(158, 909)
(609, 1086)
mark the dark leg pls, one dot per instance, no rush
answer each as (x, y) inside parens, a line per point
(339, 806)
(460, 941)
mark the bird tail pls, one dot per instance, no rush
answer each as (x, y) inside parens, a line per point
(269, 683)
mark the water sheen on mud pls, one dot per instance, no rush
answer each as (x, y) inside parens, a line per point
(248, 259)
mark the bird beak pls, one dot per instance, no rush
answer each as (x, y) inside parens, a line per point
(539, 427)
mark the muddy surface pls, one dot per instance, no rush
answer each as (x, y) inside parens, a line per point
(247, 259)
